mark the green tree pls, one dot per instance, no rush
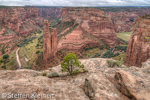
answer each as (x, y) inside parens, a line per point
(71, 64)
(3, 51)
(0, 60)
(38, 51)
(6, 56)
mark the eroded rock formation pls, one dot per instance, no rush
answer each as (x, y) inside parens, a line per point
(93, 28)
(16, 22)
(124, 17)
(49, 13)
(50, 41)
(138, 49)
(22, 21)
(123, 20)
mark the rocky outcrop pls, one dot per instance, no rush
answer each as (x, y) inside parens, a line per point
(138, 49)
(42, 88)
(96, 90)
(99, 83)
(132, 85)
(50, 41)
(92, 27)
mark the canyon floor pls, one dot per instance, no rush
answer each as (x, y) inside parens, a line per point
(99, 83)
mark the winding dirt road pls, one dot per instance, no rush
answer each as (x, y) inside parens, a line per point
(17, 58)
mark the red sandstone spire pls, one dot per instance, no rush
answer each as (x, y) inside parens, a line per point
(50, 42)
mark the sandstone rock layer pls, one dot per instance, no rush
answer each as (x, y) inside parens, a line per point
(50, 41)
(138, 49)
(94, 27)
(99, 83)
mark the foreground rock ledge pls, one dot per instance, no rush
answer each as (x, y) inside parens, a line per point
(99, 83)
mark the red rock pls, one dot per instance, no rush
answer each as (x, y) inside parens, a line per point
(54, 41)
(138, 49)
(16, 21)
(134, 87)
(122, 20)
(50, 42)
(94, 28)
(49, 13)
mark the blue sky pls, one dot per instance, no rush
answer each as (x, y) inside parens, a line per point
(75, 2)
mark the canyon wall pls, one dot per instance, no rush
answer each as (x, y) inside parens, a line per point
(124, 17)
(49, 12)
(123, 20)
(93, 28)
(138, 49)
(50, 41)
(16, 22)
(20, 19)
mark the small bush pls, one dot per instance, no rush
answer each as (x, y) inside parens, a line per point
(116, 54)
(83, 70)
(101, 48)
(6, 56)
(27, 67)
(37, 45)
(38, 51)
(44, 73)
(107, 54)
(117, 63)
(53, 74)
(3, 51)
(34, 75)
(0, 60)
(122, 48)
(96, 55)
(110, 63)
(4, 67)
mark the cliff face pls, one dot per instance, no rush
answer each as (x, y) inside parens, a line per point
(123, 20)
(138, 49)
(14, 18)
(50, 41)
(94, 27)
(49, 13)
(124, 17)
(16, 22)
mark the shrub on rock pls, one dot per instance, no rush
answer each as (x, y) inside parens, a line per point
(71, 64)
(53, 74)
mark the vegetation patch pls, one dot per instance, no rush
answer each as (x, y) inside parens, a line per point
(53, 74)
(123, 56)
(61, 26)
(124, 36)
(96, 55)
(26, 41)
(44, 73)
(109, 53)
(117, 63)
(122, 48)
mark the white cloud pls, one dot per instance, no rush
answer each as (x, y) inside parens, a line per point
(75, 2)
